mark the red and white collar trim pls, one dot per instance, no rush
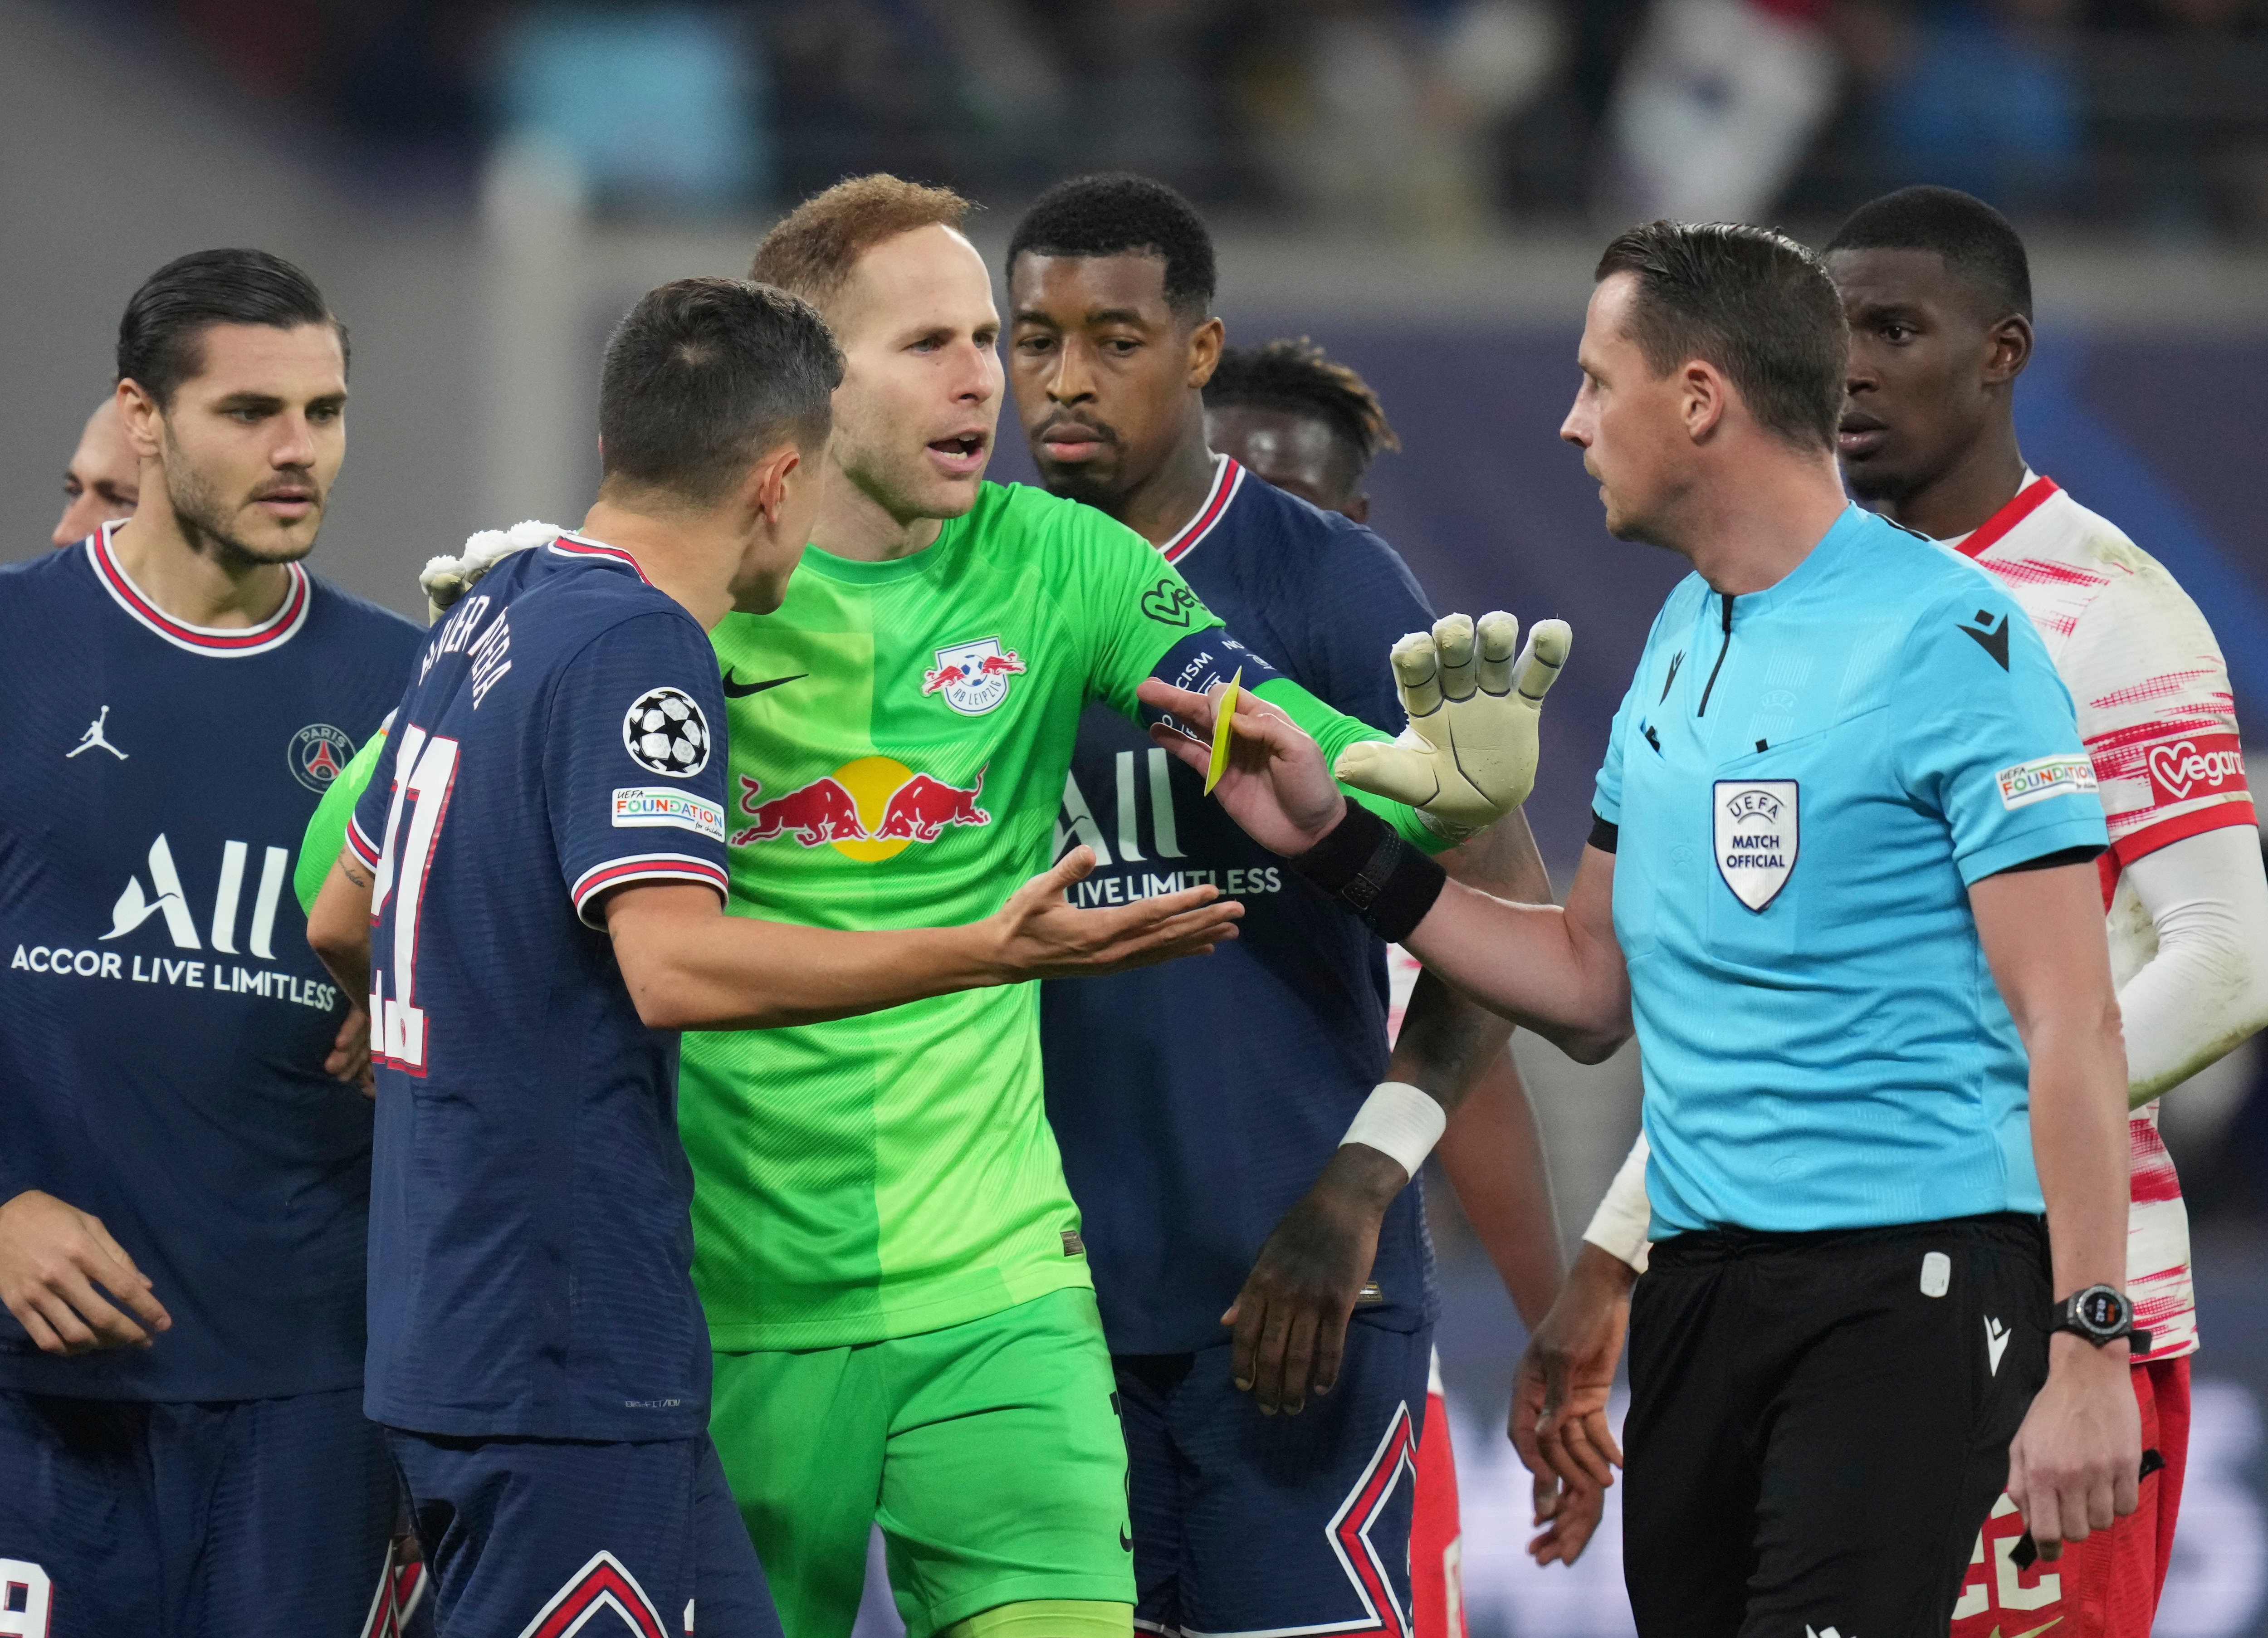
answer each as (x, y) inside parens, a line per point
(1995, 528)
(576, 546)
(222, 642)
(1228, 478)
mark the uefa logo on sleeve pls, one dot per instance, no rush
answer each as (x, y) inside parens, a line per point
(319, 754)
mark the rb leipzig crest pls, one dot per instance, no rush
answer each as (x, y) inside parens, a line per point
(1756, 834)
(973, 676)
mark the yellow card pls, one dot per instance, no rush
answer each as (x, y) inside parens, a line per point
(1226, 710)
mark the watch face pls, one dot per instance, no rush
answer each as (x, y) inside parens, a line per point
(2101, 1309)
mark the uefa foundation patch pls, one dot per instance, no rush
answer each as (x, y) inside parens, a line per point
(637, 806)
(2042, 777)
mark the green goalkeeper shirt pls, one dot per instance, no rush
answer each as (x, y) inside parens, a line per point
(901, 736)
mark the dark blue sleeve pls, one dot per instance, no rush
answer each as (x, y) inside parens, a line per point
(634, 761)
(1359, 600)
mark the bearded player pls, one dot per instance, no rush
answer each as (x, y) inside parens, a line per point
(1202, 1124)
(895, 1275)
(184, 1151)
(1312, 426)
(1938, 291)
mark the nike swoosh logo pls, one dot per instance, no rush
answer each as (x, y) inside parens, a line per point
(1126, 1545)
(2035, 1632)
(741, 690)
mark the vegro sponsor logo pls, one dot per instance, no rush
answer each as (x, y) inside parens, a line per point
(2210, 760)
(2042, 777)
(870, 809)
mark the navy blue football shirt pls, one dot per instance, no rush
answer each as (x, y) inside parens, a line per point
(1196, 1101)
(163, 1023)
(531, 1244)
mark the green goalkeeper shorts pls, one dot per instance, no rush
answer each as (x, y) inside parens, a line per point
(990, 1453)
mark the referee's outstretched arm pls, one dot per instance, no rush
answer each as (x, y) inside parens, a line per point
(2076, 1460)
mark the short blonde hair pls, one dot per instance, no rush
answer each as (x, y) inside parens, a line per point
(813, 249)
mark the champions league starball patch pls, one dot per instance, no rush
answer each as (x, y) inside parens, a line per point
(319, 754)
(1756, 836)
(665, 732)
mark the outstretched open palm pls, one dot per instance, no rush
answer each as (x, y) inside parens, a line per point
(1276, 784)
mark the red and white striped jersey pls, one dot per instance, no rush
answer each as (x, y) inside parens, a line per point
(2155, 710)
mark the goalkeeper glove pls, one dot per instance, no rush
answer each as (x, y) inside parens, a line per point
(1468, 756)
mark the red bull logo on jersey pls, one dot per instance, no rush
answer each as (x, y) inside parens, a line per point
(870, 809)
(319, 754)
(972, 676)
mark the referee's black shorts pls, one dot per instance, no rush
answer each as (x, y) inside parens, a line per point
(1814, 1437)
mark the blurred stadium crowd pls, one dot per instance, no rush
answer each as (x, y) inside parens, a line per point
(1431, 118)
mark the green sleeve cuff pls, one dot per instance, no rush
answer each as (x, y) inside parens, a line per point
(1335, 731)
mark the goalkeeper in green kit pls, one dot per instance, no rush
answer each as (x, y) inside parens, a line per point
(904, 1326)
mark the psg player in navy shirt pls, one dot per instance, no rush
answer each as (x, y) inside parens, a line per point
(532, 896)
(184, 1141)
(1201, 1112)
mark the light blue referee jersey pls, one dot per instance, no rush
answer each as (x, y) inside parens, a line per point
(1806, 780)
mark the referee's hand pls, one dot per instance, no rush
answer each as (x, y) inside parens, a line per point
(2075, 1465)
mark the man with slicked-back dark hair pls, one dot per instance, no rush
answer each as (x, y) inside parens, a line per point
(1842, 881)
(185, 1132)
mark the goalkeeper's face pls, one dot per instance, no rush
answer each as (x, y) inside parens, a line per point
(246, 454)
(914, 416)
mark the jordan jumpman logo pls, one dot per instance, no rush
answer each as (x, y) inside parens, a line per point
(93, 736)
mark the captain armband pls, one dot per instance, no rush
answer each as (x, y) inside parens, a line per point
(1370, 870)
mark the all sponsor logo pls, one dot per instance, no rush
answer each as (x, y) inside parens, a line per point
(1757, 832)
(665, 732)
(972, 676)
(869, 809)
(2043, 776)
(163, 899)
(638, 806)
(2204, 765)
(319, 754)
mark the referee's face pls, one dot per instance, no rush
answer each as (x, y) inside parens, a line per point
(1628, 420)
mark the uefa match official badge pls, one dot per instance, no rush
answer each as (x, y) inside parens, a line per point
(319, 754)
(1757, 837)
(972, 676)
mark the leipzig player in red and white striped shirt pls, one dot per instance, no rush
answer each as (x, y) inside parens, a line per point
(1939, 295)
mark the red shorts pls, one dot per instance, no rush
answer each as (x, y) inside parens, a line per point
(2108, 1585)
(1437, 1588)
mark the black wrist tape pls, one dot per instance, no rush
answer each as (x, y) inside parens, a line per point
(1365, 863)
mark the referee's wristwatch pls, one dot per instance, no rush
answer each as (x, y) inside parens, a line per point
(2101, 1314)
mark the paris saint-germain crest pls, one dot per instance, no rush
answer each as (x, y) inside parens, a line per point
(1757, 837)
(320, 753)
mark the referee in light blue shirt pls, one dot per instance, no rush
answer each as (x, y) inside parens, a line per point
(1842, 880)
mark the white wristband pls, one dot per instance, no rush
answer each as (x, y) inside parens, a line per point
(1397, 1119)
(1619, 1226)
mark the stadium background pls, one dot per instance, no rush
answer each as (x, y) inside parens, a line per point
(1421, 187)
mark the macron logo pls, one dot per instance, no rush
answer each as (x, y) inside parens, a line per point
(1996, 1342)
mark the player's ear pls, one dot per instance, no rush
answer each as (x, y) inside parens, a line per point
(768, 480)
(2008, 350)
(1206, 342)
(139, 414)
